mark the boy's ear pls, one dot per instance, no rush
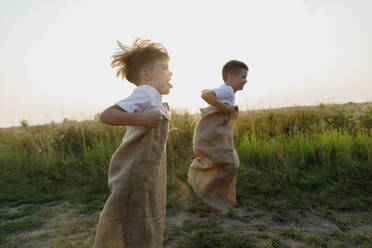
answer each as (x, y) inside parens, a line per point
(230, 77)
(145, 74)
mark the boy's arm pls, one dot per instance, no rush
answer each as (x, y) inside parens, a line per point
(210, 97)
(116, 116)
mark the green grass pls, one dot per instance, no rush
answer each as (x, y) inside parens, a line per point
(17, 226)
(292, 161)
(322, 154)
(338, 239)
(206, 234)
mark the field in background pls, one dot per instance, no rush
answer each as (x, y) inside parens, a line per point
(295, 162)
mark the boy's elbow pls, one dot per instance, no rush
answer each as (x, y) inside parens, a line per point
(102, 117)
(111, 116)
(206, 95)
(203, 96)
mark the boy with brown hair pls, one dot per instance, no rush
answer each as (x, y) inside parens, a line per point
(134, 214)
(212, 173)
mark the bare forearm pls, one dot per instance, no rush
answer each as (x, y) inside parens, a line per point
(117, 117)
(210, 97)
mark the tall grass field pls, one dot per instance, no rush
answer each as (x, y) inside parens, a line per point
(292, 160)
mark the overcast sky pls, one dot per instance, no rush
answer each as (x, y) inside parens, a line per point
(55, 55)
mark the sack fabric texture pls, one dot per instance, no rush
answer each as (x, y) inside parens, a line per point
(134, 214)
(212, 174)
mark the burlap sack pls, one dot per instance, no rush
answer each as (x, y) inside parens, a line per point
(134, 214)
(212, 173)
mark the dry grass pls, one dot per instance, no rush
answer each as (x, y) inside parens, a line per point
(305, 181)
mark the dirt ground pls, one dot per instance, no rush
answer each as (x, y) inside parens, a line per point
(62, 224)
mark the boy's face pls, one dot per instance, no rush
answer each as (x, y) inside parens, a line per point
(159, 76)
(238, 81)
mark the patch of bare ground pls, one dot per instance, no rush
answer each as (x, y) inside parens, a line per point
(315, 223)
(64, 225)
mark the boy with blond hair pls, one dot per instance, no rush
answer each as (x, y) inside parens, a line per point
(212, 173)
(134, 214)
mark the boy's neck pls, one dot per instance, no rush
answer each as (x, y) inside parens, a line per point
(228, 84)
(149, 83)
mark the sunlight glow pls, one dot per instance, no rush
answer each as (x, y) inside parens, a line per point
(55, 55)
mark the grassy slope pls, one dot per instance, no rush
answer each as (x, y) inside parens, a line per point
(296, 163)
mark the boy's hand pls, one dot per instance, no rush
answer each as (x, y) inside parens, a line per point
(152, 119)
(166, 105)
(227, 109)
(236, 112)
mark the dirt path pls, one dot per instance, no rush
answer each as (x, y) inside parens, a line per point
(63, 225)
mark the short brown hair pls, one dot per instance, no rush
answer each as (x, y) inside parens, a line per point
(233, 67)
(131, 60)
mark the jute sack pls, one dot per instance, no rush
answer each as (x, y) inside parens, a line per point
(212, 173)
(133, 216)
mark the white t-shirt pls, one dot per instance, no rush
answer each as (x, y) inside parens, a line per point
(144, 98)
(225, 94)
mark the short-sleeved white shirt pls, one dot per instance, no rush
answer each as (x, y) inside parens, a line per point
(225, 94)
(144, 98)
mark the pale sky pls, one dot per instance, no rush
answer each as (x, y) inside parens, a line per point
(55, 55)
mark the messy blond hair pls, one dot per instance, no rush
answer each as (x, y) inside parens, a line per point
(131, 60)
